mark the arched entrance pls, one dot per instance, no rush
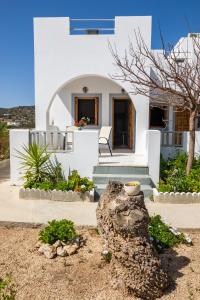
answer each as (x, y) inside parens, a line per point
(100, 99)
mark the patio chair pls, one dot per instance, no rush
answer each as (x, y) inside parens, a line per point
(104, 136)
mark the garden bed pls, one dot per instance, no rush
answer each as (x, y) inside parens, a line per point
(175, 197)
(54, 195)
(85, 275)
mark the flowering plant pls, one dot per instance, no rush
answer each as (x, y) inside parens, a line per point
(83, 122)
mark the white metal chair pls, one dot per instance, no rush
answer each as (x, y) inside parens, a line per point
(104, 136)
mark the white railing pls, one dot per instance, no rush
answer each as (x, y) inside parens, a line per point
(92, 26)
(172, 139)
(55, 141)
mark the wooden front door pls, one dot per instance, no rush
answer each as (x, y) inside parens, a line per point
(122, 123)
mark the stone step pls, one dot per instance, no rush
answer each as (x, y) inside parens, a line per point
(105, 169)
(147, 190)
(105, 178)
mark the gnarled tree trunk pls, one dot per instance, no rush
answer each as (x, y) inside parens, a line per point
(191, 141)
(123, 222)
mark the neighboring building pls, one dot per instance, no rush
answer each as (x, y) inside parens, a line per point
(73, 78)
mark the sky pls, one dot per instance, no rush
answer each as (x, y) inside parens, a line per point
(175, 17)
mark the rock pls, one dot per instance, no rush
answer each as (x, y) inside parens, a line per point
(57, 244)
(71, 249)
(49, 251)
(43, 248)
(61, 251)
(123, 223)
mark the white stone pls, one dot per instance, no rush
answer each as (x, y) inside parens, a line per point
(61, 251)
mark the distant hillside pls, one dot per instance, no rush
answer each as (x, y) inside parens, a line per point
(20, 116)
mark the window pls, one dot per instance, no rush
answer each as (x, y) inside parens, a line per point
(157, 117)
(87, 107)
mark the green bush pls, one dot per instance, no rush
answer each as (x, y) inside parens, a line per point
(58, 230)
(174, 178)
(162, 235)
(7, 291)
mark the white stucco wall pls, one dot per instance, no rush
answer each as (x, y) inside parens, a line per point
(83, 157)
(153, 154)
(60, 58)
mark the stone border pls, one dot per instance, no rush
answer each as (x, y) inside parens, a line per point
(175, 198)
(65, 196)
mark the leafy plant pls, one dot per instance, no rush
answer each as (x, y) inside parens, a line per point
(38, 166)
(78, 184)
(174, 178)
(7, 291)
(162, 235)
(58, 230)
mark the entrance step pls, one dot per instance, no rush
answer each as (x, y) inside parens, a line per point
(146, 189)
(108, 169)
(103, 174)
(105, 178)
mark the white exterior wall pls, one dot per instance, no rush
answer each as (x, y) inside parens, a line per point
(153, 154)
(83, 157)
(61, 58)
(61, 108)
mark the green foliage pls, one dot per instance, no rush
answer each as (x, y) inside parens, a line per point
(41, 172)
(174, 178)
(58, 230)
(162, 235)
(7, 291)
(4, 141)
(78, 184)
(38, 166)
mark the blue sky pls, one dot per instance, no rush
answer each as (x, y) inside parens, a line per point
(176, 18)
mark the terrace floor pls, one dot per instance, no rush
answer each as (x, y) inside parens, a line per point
(121, 157)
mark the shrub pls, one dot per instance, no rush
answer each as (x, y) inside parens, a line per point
(58, 230)
(162, 235)
(174, 178)
(78, 184)
(7, 291)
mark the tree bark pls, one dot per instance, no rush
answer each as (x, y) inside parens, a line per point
(191, 141)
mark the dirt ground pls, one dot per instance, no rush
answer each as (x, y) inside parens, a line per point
(85, 276)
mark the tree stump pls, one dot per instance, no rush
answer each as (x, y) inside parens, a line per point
(123, 223)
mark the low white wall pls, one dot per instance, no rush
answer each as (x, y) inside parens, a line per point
(153, 154)
(170, 152)
(83, 158)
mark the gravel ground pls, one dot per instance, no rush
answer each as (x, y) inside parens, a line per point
(84, 276)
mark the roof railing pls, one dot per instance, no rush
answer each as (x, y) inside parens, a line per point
(92, 26)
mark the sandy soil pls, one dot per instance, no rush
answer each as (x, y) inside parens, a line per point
(84, 276)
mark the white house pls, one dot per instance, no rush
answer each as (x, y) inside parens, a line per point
(73, 78)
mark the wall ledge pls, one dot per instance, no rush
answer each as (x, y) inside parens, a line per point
(54, 195)
(176, 198)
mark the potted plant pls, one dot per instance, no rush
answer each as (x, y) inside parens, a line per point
(82, 123)
(132, 188)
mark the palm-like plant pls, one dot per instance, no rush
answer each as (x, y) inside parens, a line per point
(34, 161)
(38, 167)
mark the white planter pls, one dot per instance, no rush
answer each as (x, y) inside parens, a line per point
(175, 198)
(65, 196)
(132, 190)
